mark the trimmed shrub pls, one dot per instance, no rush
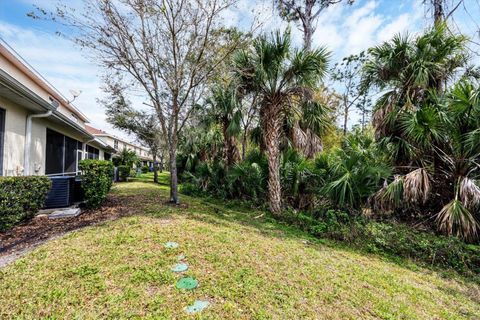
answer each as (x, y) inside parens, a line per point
(97, 178)
(123, 172)
(21, 198)
(145, 169)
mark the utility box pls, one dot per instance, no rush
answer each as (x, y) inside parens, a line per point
(62, 192)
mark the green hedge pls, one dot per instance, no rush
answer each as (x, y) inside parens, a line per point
(97, 177)
(123, 172)
(21, 198)
(390, 239)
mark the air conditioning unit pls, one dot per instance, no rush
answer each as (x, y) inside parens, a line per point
(62, 192)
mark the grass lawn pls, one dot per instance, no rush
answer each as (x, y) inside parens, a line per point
(247, 267)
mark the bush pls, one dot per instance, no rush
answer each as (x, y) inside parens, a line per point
(245, 180)
(133, 173)
(21, 198)
(390, 239)
(403, 241)
(123, 172)
(97, 176)
(145, 169)
(191, 189)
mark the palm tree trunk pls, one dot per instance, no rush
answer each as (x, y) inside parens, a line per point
(231, 153)
(271, 122)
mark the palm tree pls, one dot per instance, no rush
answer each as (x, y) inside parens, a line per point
(354, 171)
(405, 69)
(226, 110)
(432, 134)
(448, 129)
(283, 79)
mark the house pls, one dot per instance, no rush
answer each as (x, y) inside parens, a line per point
(119, 144)
(41, 133)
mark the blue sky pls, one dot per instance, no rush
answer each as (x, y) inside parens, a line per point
(343, 29)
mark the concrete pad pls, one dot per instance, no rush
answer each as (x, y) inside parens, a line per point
(65, 213)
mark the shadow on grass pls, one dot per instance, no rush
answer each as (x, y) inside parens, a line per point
(225, 213)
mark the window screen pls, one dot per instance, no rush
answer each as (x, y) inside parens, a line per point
(54, 153)
(92, 153)
(71, 147)
(61, 153)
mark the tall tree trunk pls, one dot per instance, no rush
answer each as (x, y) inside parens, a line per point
(307, 24)
(307, 35)
(438, 15)
(155, 169)
(244, 144)
(438, 12)
(173, 173)
(345, 115)
(272, 128)
(363, 120)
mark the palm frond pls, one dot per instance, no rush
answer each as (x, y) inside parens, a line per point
(469, 193)
(455, 219)
(416, 186)
(390, 196)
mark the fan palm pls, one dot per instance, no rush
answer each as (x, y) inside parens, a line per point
(450, 133)
(354, 171)
(407, 69)
(225, 109)
(283, 78)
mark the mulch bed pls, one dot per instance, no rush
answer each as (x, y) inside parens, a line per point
(40, 229)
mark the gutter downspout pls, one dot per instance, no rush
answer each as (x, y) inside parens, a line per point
(28, 139)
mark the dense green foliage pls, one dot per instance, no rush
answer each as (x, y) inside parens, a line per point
(389, 238)
(123, 172)
(21, 198)
(428, 121)
(126, 158)
(97, 178)
(418, 162)
(284, 80)
(125, 162)
(342, 177)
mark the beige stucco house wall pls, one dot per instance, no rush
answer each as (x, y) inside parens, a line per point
(22, 93)
(119, 144)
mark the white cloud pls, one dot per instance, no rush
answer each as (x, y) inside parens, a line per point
(343, 29)
(399, 25)
(61, 64)
(362, 26)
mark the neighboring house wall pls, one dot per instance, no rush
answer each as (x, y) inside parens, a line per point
(24, 77)
(120, 145)
(25, 93)
(14, 140)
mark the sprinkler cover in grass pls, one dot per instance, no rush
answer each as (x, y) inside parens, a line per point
(197, 306)
(187, 283)
(171, 245)
(180, 267)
